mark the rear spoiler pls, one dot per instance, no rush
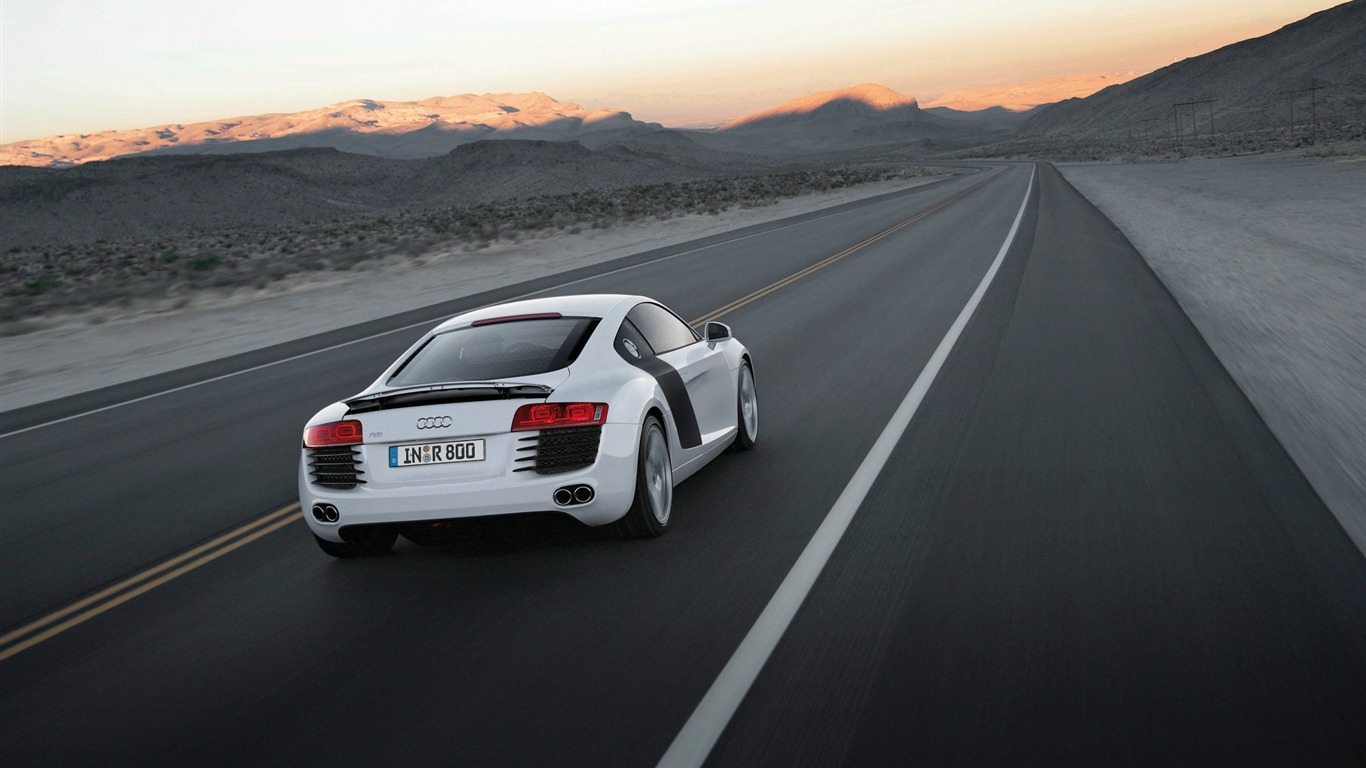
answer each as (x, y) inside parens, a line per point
(432, 394)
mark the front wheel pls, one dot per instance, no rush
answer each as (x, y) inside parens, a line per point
(746, 411)
(653, 503)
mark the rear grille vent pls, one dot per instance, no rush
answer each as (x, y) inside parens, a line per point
(335, 467)
(560, 450)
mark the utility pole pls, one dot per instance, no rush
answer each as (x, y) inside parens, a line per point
(1195, 132)
(1312, 90)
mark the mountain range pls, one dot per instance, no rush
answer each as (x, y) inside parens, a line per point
(1244, 86)
(371, 157)
(1022, 97)
(857, 116)
(1318, 64)
(396, 129)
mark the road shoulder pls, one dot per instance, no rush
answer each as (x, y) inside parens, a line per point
(1263, 254)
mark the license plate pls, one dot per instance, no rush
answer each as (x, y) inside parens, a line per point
(436, 453)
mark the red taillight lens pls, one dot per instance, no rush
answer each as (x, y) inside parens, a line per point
(551, 415)
(347, 432)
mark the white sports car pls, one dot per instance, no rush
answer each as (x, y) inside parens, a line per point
(594, 406)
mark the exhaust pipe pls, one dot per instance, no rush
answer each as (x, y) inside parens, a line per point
(573, 494)
(326, 513)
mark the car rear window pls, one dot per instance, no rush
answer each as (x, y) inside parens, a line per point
(496, 352)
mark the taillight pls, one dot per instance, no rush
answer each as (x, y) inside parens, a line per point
(551, 415)
(347, 432)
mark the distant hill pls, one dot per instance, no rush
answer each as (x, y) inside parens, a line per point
(859, 116)
(989, 118)
(1022, 97)
(395, 129)
(868, 101)
(147, 197)
(1249, 80)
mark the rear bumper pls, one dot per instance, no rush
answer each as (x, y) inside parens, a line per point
(612, 478)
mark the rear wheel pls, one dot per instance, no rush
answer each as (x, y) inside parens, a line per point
(375, 544)
(653, 504)
(746, 411)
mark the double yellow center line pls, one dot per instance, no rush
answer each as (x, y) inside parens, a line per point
(59, 621)
(822, 264)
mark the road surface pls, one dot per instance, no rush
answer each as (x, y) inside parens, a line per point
(1085, 548)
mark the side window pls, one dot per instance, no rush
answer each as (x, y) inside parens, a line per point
(661, 328)
(631, 344)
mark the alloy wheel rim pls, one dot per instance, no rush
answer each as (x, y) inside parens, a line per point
(749, 404)
(658, 476)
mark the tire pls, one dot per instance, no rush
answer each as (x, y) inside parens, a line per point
(377, 544)
(746, 410)
(652, 507)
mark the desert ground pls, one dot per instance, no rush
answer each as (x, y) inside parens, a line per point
(109, 346)
(1264, 254)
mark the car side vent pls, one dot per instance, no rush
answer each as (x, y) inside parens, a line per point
(559, 450)
(335, 466)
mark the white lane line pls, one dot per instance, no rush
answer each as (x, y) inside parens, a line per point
(371, 337)
(693, 743)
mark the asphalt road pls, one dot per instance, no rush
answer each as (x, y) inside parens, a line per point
(1087, 549)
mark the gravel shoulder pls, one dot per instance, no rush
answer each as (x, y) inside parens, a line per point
(1266, 256)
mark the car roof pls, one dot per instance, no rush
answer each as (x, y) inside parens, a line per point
(583, 305)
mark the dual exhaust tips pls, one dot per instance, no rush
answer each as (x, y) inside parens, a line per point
(571, 495)
(326, 513)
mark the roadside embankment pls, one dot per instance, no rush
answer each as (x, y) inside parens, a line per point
(1266, 256)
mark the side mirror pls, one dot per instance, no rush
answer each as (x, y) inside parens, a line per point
(716, 331)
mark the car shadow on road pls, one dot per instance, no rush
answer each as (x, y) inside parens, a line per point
(505, 534)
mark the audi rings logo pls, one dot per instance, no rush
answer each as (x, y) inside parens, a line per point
(434, 422)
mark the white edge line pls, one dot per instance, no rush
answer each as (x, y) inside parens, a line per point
(694, 742)
(371, 337)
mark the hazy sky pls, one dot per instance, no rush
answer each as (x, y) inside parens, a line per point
(72, 66)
